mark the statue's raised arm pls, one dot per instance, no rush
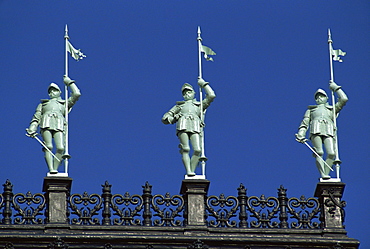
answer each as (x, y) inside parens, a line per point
(209, 91)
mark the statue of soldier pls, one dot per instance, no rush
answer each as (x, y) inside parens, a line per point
(320, 119)
(50, 117)
(188, 116)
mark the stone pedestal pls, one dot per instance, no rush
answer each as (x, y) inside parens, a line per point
(57, 189)
(194, 192)
(332, 207)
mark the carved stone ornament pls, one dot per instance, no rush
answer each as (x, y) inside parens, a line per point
(198, 244)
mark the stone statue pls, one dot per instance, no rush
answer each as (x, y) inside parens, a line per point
(320, 119)
(187, 114)
(50, 117)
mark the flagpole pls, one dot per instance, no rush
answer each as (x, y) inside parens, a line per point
(66, 155)
(337, 160)
(202, 158)
(199, 39)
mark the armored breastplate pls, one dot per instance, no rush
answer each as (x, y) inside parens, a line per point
(52, 106)
(189, 109)
(321, 113)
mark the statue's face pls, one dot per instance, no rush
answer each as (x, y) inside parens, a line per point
(54, 93)
(188, 95)
(321, 99)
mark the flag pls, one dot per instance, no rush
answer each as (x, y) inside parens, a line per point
(75, 53)
(336, 53)
(207, 51)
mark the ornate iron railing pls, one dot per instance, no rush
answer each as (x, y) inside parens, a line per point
(80, 205)
(264, 212)
(239, 211)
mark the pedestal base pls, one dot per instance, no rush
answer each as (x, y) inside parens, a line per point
(330, 180)
(57, 190)
(57, 174)
(194, 192)
(332, 207)
(195, 177)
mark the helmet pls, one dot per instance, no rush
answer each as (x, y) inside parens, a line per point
(320, 91)
(186, 86)
(53, 85)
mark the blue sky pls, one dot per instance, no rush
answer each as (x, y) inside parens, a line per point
(271, 58)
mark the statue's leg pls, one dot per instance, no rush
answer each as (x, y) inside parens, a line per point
(185, 150)
(59, 144)
(195, 143)
(330, 152)
(317, 145)
(48, 141)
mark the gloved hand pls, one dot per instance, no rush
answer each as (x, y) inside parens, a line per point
(202, 83)
(300, 138)
(67, 80)
(333, 86)
(30, 133)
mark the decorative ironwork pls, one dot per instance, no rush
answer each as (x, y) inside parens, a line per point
(308, 210)
(167, 214)
(227, 210)
(132, 205)
(86, 212)
(283, 216)
(264, 210)
(107, 199)
(147, 196)
(7, 202)
(166, 210)
(333, 203)
(28, 213)
(242, 198)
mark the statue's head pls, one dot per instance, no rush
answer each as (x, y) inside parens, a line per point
(321, 97)
(54, 91)
(187, 91)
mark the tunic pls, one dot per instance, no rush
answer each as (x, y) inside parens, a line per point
(187, 114)
(50, 112)
(320, 118)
